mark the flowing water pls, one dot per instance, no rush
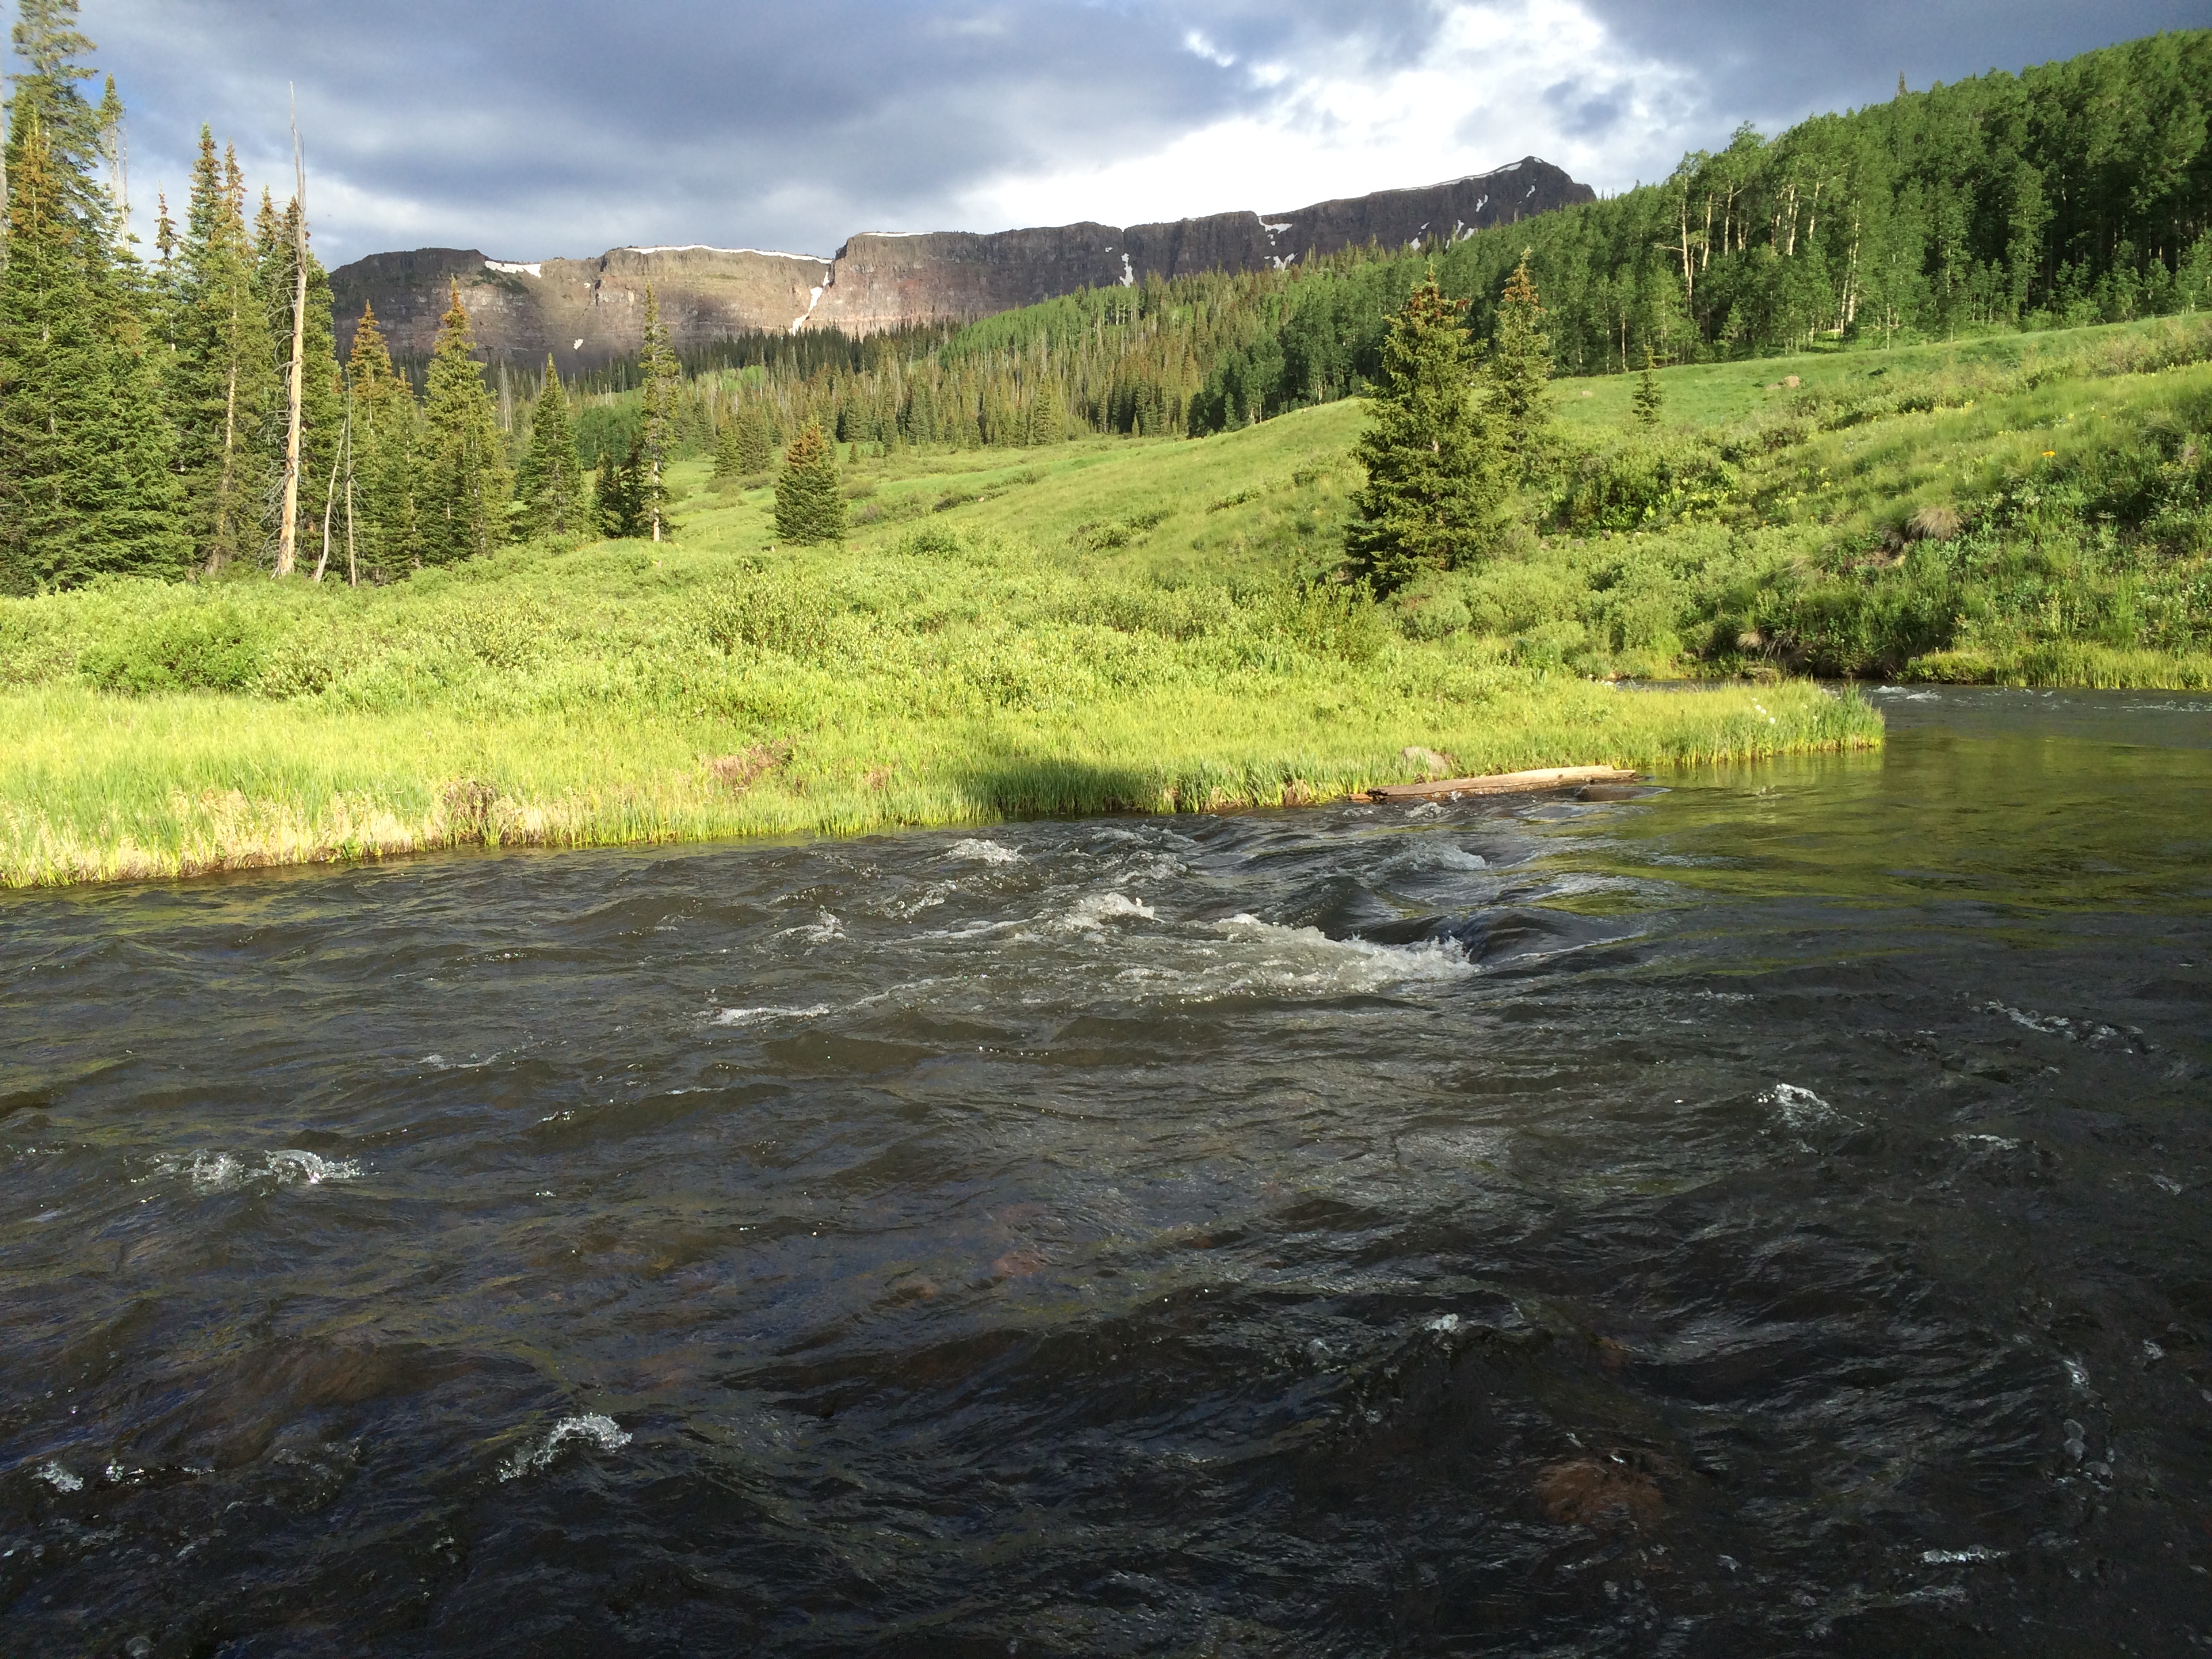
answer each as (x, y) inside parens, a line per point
(1767, 1215)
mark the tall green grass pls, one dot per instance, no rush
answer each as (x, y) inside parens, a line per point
(945, 668)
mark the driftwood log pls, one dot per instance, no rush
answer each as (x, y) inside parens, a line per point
(1503, 783)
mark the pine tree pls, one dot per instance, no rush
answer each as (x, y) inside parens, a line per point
(465, 483)
(664, 385)
(549, 484)
(221, 378)
(618, 498)
(84, 463)
(756, 442)
(1648, 400)
(1520, 373)
(46, 37)
(809, 506)
(382, 471)
(729, 451)
(114, 151)
(1435, 459)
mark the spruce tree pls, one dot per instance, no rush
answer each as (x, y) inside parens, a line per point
(464, 482)
(1435, 455)
(606, 495)
(619, 500)
(382, 472)
(84, 462)
(809, 506)
(664, 384)
(1647, 399)
(221, 380)
(756, 442)
(549, 485)
(729, 451)
(1520, 373)
(46, 37)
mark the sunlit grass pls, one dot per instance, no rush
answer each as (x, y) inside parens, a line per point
(1011, 656)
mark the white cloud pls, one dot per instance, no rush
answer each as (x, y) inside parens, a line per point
(1499, 81)
(1195, 43)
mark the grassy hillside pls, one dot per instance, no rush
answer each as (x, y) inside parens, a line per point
(2030, 508)
(1099, 626)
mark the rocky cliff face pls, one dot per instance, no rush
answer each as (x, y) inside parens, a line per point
(584, 313)
(588, 312)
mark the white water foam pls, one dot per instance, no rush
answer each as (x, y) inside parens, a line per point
(60, 1478)
(1091, 914)
(823, 928)
(982, 852)
(760, 1016)
(601, 1432)
(1801, 1109)
(1263, 957)
(222, 1172)
(1972, 1552)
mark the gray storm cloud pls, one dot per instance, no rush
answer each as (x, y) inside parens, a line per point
(540, 127)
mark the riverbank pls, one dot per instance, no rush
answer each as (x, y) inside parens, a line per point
(1107, 625)
(620, 694)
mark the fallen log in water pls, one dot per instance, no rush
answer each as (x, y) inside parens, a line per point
(1503, 783)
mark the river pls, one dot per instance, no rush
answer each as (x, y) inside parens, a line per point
(1766, 1215)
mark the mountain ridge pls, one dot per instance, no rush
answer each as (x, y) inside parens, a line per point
(588, 312)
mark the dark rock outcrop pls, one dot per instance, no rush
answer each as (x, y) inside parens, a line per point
(588, 312)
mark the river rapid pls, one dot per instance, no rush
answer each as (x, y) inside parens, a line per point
(1767, 1215)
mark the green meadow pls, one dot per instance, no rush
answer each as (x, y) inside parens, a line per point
(1107, 625)
(1147, 625)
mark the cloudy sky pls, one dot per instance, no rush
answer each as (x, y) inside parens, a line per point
(532, 128)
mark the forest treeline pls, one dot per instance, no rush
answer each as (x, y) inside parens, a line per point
(187, 412)
(2077, 192)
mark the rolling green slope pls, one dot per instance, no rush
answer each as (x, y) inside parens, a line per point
(1106, 626)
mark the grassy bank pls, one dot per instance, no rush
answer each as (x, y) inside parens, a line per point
(1102, 627)
(1134, 624)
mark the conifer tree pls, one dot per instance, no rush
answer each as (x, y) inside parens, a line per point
(84, 480)
(221, 370)
(46, 37)
(1048, 417)
(464, 482)
(1520, 373)
(1435, 459)
(606, 495)
(756, 443)
(663, 385)
(618, 500)
(729, 451)
(114, 151)
(809, 506)
(382, 472)
(549, 485)
(1647, 399)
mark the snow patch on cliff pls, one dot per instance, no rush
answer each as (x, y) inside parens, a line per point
(813, 299)
(707, 247)
(513, 268)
